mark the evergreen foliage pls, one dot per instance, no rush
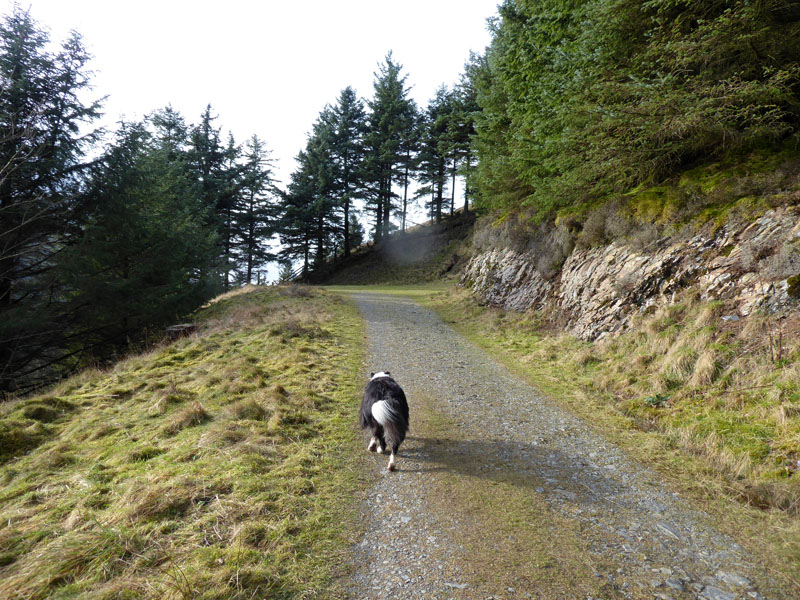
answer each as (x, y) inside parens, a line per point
(144, 256)
(42, 113)
(255, 212)
(93, 254)
(349, 123)
(585, 98)
(391, 125)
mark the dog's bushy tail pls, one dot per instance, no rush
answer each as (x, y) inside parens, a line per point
(393, 419)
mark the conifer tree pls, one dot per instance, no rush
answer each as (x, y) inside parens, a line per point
(296, 222)
(255, 213)
(145, 253)
(389, 123)
(43, 112)
(348, 152)
(432, 169)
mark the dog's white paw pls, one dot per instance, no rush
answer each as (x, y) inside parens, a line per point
(391, 466)
(373, 444)
(379, 450)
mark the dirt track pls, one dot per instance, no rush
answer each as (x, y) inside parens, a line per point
(502, 494)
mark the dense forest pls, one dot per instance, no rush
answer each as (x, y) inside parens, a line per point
(107, 236)
(582, 99)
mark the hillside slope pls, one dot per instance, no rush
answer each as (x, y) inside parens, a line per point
(211, 467)
(423, 253)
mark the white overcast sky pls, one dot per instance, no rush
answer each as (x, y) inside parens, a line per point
(267, 67)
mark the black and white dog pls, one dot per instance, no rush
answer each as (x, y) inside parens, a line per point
(384, 410)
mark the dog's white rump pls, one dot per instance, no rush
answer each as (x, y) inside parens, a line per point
(382, 412)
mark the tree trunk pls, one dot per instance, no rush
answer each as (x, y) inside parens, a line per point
(251, 236)
(320, 257)
(387, 202)
(440, 190)
(379, 212)
(346, 206)
(306, 251)
(467, 160)
(227, 247)
(453, 189)
(405, 189)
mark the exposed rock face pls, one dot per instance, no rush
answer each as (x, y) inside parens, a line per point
(599, 289)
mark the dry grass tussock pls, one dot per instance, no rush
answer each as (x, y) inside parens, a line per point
(200, 469)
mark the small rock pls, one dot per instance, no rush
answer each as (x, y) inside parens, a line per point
(713, 593)
(730, 318)
(675, 584)
(733, 579)
(668, 530)
(458, 586)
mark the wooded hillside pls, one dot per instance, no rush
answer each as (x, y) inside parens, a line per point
(584, 99)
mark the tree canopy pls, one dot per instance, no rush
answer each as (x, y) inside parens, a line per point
(582, 98)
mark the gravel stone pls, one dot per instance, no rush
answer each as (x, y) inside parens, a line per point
(713, 593)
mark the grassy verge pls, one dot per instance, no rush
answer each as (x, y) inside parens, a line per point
(219, 466)
(697, 398)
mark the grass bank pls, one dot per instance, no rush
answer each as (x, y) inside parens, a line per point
(218, 466)
(697, 398)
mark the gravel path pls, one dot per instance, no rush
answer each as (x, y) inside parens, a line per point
(640, 540)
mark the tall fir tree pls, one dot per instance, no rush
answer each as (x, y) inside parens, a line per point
(145, 253)
(390, 119)
(255, 212)
(349, 121)
(43, 114)
(432, 165)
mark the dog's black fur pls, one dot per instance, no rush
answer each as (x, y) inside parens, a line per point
(384, 411)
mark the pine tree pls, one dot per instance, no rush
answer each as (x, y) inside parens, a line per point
(255, 213)
(42, 115)
(145, 253)
(390, 120)
(466, 110)
(432, 166)
(296, 221)
(349, 121)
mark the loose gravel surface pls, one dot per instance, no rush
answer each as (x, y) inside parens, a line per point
(448, 523)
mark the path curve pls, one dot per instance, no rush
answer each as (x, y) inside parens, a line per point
(638, 539)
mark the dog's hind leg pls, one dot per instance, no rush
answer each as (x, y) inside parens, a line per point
(377, 443)
(392, 456)
(395, 438)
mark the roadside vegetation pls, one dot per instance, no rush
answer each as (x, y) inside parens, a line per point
(217, 466)
(711, 403)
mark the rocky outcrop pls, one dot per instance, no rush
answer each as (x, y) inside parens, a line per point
(599, 290)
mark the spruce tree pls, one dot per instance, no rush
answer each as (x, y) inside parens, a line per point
(255, 212)
(349, 121)
(432, 165)
(43, 112)
(145, 252)
(389, 123)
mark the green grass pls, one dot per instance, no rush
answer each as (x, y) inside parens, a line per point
(219, 466)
